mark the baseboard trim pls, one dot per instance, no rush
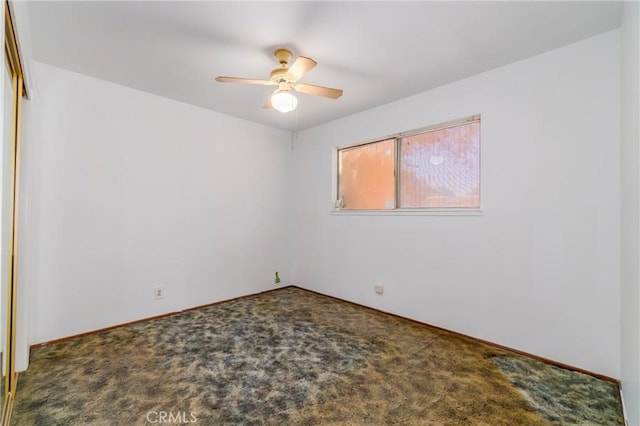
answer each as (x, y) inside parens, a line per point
(435, 327)
(168, 314)
(466, 336)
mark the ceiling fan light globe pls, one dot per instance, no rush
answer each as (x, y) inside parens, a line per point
(283, 101)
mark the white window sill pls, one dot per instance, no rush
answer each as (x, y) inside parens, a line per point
(408, 212)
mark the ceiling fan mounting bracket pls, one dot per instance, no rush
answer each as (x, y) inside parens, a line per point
(283, 56)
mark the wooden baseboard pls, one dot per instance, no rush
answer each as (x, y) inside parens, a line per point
(435, 327)
(168, 314)
(486, 342)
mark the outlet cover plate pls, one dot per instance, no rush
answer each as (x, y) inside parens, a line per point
(158, 293)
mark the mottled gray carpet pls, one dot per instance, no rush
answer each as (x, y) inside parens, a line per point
(293, 357)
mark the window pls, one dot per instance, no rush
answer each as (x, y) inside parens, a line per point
(436, 167)
(367, 175)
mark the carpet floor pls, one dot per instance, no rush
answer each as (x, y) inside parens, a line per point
(293, 357)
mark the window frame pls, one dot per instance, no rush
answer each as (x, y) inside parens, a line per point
(397, 210)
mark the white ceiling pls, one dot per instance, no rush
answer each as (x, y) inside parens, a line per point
(377, 52)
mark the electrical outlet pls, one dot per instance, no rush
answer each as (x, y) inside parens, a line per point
(158, 293)
(378, 288)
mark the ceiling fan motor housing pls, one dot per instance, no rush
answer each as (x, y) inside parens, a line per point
(278, 75)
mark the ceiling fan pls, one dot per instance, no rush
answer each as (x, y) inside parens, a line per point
(286, 78)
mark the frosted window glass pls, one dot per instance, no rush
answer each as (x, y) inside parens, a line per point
(441, 168)
(366, 178)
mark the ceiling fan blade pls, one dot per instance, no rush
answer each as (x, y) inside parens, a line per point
(222, 79)
(267, 105)
(311, 89)
(300, 67)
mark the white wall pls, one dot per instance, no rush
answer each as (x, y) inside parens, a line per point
(630, 211)
(130, 191)
(539, 270)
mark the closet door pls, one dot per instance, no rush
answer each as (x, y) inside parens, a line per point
(5, 168)
(12, 92)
